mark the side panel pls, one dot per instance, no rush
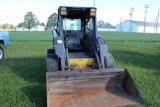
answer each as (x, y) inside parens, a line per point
(60, 52)
(103, 53)
(55, 36)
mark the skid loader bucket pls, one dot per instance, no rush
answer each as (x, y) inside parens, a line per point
(111, 87)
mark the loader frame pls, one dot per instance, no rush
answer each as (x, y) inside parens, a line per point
(80, 69)
(60, 47)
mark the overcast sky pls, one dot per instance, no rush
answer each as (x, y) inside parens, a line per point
(13, 11)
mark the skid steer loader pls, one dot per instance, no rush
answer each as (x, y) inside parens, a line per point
(80, 70)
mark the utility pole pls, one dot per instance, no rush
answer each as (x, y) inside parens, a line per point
(154, 30)
(23, 28)
(146, 6)
(157, 21)
(131, 9)
(120, 28)
(94, 3)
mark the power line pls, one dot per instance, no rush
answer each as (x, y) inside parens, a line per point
(146, 6)
(115, 17)
(131, 9)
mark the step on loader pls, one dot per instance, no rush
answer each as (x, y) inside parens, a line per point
(80, 70)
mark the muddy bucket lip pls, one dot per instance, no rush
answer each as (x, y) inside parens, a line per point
(83, 74)
(80, 72)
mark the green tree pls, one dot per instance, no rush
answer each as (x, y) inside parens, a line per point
(6, 26)
(52, 20)
(30, 20)
(101, 22)
(108, 24)
(20, 24)
(42, 24)
(11, 26)
(1, 26)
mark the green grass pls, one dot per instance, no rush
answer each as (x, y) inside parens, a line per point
(142, 61)
(31, 36)
(130, 37)
(109, 36)
(22, 72)
(22, 75)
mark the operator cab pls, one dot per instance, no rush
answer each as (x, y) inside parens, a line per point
(77, 23)
(73, 34)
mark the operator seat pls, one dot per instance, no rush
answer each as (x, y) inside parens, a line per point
(73, 41)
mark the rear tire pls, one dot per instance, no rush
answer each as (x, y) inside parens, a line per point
(109, 61)
(1, 53)
(51, 63)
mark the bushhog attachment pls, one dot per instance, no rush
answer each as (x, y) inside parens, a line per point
(84, 88)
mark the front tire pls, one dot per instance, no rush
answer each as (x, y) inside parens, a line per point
(1, 53)
(51, 63)
(109, 61)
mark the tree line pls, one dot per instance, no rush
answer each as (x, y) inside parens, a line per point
(30, 20)
(103, 23)
(8, 26)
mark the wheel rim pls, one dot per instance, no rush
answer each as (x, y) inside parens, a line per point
(1, 54)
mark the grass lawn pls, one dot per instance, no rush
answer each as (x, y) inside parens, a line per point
(31, 36)
(22, 72)
(109, 36)
(130, 37)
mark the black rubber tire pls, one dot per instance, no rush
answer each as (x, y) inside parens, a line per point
(109, 61)
(1, 53)
(51, 63)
